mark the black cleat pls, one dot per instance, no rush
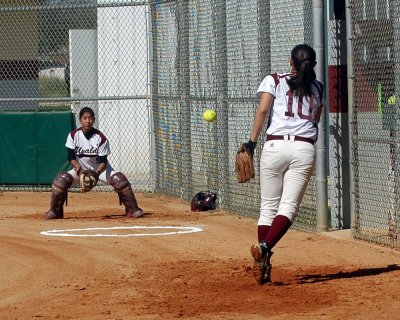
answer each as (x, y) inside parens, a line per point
(262, 266)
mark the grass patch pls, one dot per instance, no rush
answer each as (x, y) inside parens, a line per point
(52, 88)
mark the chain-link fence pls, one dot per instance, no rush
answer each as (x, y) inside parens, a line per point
(66, 55)
(213, 55)
(375, 120)
(149, 69)
(194, 55)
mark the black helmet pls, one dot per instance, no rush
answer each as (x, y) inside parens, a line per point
(204, 201)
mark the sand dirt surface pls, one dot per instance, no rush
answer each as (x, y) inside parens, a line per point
(96, 264)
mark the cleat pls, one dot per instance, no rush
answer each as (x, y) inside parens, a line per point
(255, 252)
(137, 214)
(51, 214)
(262, 266)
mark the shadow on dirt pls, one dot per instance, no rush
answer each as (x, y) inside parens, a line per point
(314, 278)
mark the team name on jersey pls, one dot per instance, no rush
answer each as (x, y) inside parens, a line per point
(81, 151)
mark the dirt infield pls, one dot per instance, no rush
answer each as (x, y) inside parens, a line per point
(201, 275)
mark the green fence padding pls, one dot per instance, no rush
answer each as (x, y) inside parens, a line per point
(33, 146)
(18, 146)
(52, 129)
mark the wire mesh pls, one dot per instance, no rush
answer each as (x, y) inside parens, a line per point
(213, 55)
(149, 70)
(66, 55)
(375, 123)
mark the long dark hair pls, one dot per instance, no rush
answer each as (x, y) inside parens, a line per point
(304, 61)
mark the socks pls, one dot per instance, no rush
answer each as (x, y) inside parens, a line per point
(262, 232)
(280, 225)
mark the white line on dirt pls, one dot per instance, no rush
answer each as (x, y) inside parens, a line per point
(70, 232)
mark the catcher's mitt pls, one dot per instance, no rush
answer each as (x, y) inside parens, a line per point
(244, 162)
(88, 180)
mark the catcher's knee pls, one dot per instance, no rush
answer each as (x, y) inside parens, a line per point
(119, 181)
(63, 181)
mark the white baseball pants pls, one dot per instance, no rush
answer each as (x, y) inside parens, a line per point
(286, 167)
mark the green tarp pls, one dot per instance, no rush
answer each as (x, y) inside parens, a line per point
(32, 146)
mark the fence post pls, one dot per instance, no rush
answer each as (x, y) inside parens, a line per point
(184, 90)
(152, 90)
(350, 79)
(321, 180)
(222, 103)
(394, 227)
(264, 42)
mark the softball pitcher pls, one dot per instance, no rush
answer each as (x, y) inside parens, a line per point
(293, 104)
(88, 149)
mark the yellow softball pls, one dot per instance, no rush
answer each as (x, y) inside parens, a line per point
(209, 115)
(392, 100)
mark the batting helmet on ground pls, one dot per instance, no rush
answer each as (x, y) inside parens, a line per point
(204, 201)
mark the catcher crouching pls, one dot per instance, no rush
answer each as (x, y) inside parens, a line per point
(88, 149)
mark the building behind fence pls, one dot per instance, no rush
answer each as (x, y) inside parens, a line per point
(150, 68)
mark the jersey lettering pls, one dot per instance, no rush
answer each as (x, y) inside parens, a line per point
(289, 112)
(290, 115)
(88, 151)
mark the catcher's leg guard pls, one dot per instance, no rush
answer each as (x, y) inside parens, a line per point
(59, 194)
(126, 196)
(262, 265)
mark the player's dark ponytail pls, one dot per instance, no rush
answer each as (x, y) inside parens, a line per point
(304, 61)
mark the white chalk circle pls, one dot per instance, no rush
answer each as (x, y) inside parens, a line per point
(90, 232)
